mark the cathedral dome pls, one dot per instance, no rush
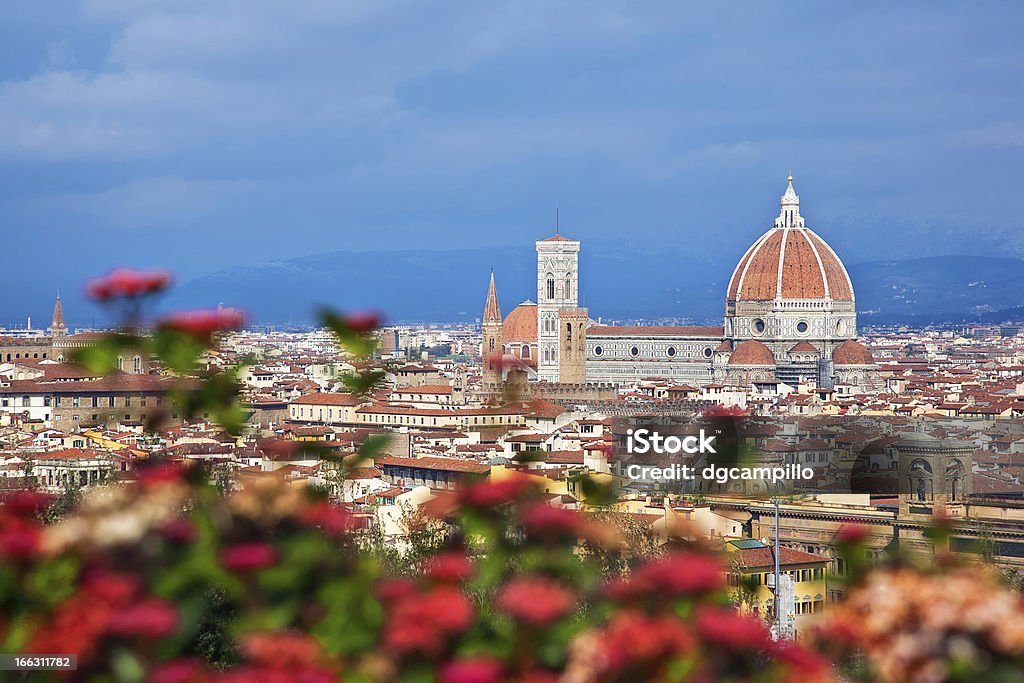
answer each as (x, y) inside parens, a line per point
(751, 352)
(790, 262)
(851, 352)
(521, 324)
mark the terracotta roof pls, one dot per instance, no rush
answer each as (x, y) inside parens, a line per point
(110, 384)
(325, 399)
(557, 238)
(751, 352)
(433, 463)
(759, 558)
(425, 389)
(852, 352)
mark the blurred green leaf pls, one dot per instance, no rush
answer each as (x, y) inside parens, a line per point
(178, 351)
(359, 343)
(53, 581)
(126, 666)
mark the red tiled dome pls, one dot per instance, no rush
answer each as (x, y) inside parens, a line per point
(520, 325)
(751, 352)
(852, 352)
(790, 262)
(810, 269)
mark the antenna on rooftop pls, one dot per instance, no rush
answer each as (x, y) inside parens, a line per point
(556, 220)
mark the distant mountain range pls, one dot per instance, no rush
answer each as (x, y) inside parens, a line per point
(940, 289)
(623, 282)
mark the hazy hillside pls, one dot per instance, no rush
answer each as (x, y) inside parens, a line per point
(939, 288)
(623, 282)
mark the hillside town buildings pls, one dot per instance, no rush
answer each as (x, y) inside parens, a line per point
(898, 424)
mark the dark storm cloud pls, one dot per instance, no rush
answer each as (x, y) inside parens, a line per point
(197, 134)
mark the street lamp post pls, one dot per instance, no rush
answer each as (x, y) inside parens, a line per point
(778, 605)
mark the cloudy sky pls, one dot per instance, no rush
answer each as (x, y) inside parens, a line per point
(198, 135)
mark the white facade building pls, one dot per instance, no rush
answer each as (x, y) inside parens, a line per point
(557, 287)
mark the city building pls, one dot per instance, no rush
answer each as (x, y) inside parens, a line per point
(790, 316)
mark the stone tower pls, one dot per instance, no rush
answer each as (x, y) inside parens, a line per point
(57, 326)
(932, 472)
(572, 345)
(459, 386)
(491, 350)
(557, 288)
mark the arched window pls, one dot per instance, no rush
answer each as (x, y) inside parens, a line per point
(568, 287)
(568, 332)
(551, 286)
(491, 343)
(525, 351)
(120, 362)
(137, 365)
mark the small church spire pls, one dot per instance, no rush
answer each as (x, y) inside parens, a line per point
(492, 311)
(57, 326)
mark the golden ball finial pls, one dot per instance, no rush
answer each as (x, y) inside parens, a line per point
(790, 178)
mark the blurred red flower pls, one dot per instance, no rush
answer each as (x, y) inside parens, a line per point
(78, 622)
(388, 590)
(449, 567)
(248, 556)
(809, 665)
(480, 669)
(543, 519)
(180, 671)
(632, 638)
(125, 282)
(420, 622)
(203, 324)
(728, 628)
(110, 587)
(149, 618)
(534, 600)
(179, 531)
(679, 574)
(19, 538)
(488, 494)
(25, 503)
(451, 609)
(160, 471)
(334, 520)
(852, 534)
(362, 321)
(281, 649)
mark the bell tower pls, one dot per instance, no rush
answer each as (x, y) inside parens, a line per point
(557, 288)
(491, 349)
